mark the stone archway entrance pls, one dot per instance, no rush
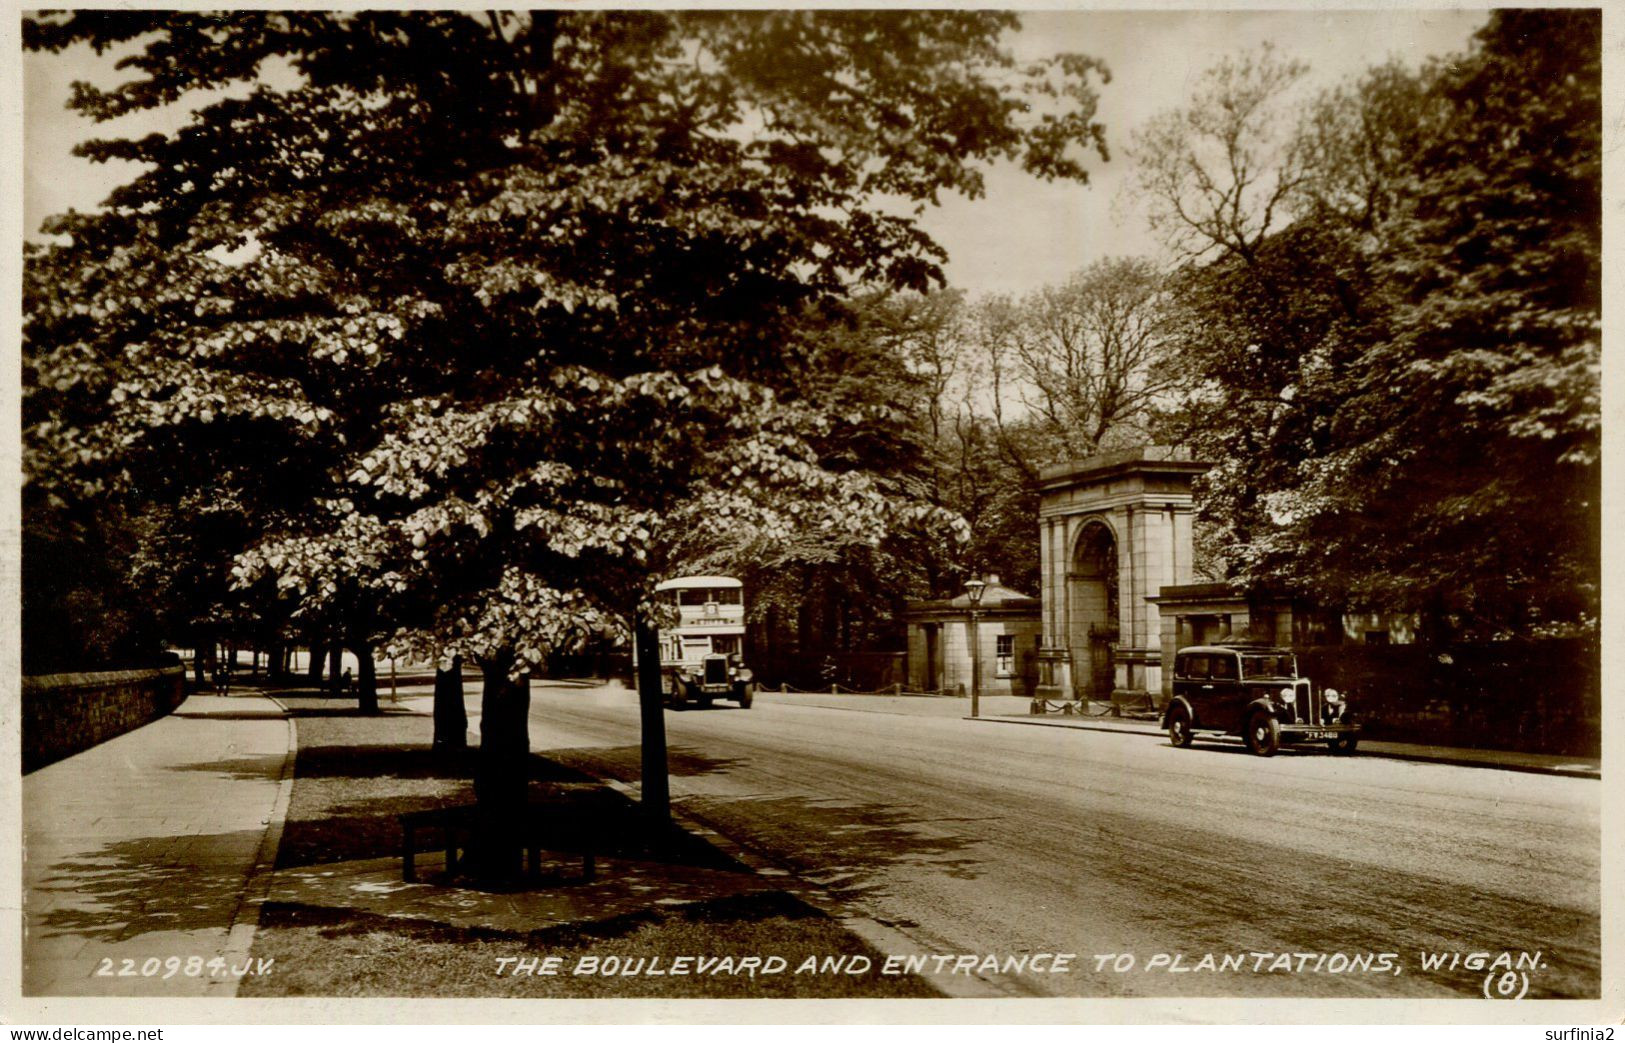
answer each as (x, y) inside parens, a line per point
(1092, 593)
(1113, 530)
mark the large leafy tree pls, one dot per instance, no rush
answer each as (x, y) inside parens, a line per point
(1461, 473)
(1396, 317)
(494, 317)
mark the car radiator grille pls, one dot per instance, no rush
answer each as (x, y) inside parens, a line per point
(1308, 702)
(716, 670)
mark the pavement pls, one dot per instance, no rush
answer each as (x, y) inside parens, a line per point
(1504, 760)
(147, 858)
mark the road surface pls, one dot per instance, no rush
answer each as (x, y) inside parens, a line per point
(1295, 875)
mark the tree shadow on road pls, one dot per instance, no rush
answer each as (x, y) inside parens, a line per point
(839, 844)
(625, 763)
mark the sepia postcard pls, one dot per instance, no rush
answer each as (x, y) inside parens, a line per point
(738, 513)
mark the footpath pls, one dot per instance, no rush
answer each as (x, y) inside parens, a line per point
(145, 858)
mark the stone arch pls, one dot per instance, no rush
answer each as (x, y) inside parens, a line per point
(1093, 589)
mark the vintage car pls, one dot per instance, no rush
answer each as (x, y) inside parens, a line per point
(1254, 691)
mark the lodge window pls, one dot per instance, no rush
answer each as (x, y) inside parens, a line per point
(1005, 652)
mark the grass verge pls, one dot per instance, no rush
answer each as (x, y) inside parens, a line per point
(354, 774)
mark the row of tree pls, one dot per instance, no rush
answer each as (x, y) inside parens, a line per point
(452, 333)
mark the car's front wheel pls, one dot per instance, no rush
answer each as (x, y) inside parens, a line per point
(1264, 734)
(747, 695)
(1179, 727)
(1345, 744)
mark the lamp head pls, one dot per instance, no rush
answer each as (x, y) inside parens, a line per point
(974, 589)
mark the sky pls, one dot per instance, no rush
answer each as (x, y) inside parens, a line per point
(1024, 233)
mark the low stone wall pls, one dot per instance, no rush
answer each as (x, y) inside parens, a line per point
(66, 713)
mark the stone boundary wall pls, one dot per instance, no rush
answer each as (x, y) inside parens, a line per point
(1532, 697)
(66, 713)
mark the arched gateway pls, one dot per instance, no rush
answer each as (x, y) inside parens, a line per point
(1113, 529)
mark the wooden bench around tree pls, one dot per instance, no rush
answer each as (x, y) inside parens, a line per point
(457, 826)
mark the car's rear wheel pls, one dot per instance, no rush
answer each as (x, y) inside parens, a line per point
(1345, 744)
(1264, 734)
(1179, 727)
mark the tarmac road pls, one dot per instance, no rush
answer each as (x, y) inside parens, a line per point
(973, 838)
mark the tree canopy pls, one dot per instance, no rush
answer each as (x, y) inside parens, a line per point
(481, 323)
(477, 294)
(1400, 340)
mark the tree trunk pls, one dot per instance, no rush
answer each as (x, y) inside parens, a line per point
(502, 773)
(652, 709)
(313, 667)
(335, 676)
(202, 655)
(366, 688)
(450, 717)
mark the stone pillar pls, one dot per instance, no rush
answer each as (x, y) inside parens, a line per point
(1054, 662)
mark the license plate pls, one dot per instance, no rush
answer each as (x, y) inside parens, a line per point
(1317, 735)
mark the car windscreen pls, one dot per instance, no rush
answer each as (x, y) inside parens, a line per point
(1269, 666)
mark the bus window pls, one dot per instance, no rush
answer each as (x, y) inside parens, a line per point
(700, 596)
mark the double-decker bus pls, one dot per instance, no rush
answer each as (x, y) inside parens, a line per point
(702, 658)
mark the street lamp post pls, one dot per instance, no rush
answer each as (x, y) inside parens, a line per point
(973, 590)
